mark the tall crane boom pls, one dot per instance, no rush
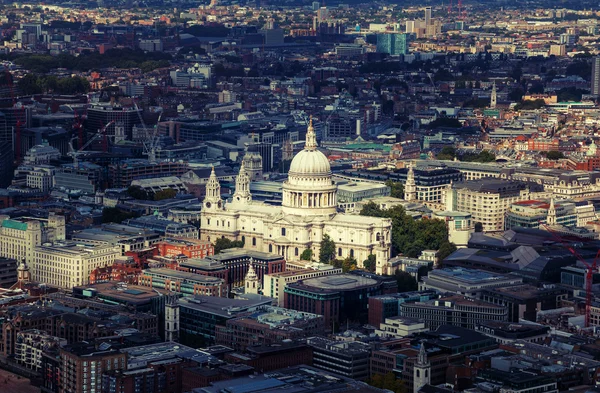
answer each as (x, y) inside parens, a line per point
(75, 153)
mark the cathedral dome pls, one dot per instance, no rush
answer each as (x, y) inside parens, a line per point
(309, 189)
(311, 163)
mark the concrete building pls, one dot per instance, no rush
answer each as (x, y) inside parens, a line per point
(456, 311)
(387, 306)
(274, 284)
(198, 316)
(466, 282)
(338, 298)
(510, 332)
(350, 359)
(123, 236)
(488, 200)
(596, 76)
(66, 265)
(398, 327)
(460, 226)
(268, 325)
(19, 237)
(183, 282)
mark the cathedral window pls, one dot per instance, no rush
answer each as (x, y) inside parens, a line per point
(282, 231)
(339, 252)
(243, 239)
(208, 221)
(270, 248)
(296, 251)
(254, 241)
(351, 253)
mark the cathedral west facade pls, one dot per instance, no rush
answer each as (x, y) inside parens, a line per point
(308, 212)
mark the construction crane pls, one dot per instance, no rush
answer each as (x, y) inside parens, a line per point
(75, 153)
(589, 273)
(151, 142)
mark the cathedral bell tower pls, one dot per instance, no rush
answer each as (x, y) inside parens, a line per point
(242, 193)
(212, 200)
(421, 370)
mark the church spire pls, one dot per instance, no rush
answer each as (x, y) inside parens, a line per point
(410, 187)
(422, 357)
(493, 98)
(311, 137)
(551, 219)
(251, 281)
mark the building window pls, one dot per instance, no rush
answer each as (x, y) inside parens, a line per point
(296, 251)
(339, 252)
(282, 231)
(351, 253)
(270, 248)
(244, 239)
(254, 241)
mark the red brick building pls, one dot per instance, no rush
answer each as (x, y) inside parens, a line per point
(266, 358)
(191, 248)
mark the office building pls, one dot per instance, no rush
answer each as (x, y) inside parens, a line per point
(67, 265)
(427, 16)
(274, 284)
(393, 43)
(398, 327)
(524, 301)
(455, 310)
(488, 200)
(19, 237)
(268, 325)
(388, 306)
(596, 76)
(510, 332)
(8, 272)
(121, 175)
(350, 359)
(6, 163)
(191, 248)
(198, 316)
(529, 214)
(466, 282)
(338, 298)
(85, 178)
(125, 237)
(558, 50)
(100, 115)
(183, 282)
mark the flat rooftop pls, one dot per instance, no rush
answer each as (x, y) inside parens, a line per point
(467, 275)
(125, 293)
(225, 307)
(339, 282)
(183, 275)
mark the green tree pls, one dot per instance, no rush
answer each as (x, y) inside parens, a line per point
(137, 192)
(224, 244)
(348, 264)
(405, 281)
(116, 215)
(306, 255)
(554, 155)
(370, 263)
(396, 189)
(168, 193)
(445, 250)
(327, 251)
(447, 153)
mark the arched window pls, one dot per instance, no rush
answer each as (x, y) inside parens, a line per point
(254, 241)
(270, 248)
(244, 239)
(296, 251)
(339, 252)
(351, 253)
(377, 236)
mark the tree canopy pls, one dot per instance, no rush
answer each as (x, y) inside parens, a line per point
(224, 243)
(327, 251)
(409, 236)
(396, 189)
